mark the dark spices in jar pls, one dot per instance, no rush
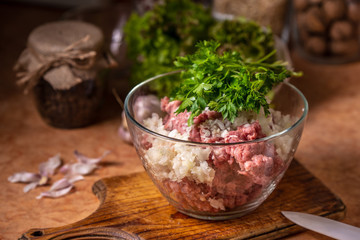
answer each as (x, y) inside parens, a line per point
(64, 66)
(75, 107)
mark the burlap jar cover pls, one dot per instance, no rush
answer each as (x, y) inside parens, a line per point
(62, 61)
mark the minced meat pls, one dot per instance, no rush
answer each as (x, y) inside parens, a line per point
(213, 178)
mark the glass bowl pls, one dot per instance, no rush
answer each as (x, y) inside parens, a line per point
(222, 180)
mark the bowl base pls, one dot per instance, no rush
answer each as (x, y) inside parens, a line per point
(245, 209)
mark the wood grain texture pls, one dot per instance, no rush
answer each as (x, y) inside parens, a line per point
(132, 208)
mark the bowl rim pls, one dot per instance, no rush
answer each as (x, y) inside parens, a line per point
(264, 139)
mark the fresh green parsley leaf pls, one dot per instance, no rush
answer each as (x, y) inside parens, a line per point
(225, 82)
(155, 39)
(247, 37)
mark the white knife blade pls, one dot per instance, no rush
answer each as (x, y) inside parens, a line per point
(325, 226)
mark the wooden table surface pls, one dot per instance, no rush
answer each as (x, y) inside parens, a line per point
(329, 148)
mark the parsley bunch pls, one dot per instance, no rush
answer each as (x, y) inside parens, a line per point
(155, 39)
(245, 36)
(225, 82)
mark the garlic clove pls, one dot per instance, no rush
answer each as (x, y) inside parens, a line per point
(48, 168)
(86, 160)
(24, 177)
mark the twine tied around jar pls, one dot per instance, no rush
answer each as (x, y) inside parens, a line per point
(76, 58)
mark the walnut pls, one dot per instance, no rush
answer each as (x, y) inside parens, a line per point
(341, 30)
(354, 11)
(300, 5)
(314, 20)
(301, 20)
(317, 2)
(344, 47)
(303, 35)
(334, 9)
(316, 45)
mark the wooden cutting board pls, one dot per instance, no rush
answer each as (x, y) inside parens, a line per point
(131, 207)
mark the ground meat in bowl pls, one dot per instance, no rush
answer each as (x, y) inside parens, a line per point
(214, 178)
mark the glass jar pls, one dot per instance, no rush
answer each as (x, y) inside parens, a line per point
(327, 31)
(267, 13)
(64, 66)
